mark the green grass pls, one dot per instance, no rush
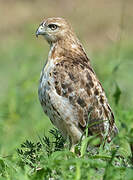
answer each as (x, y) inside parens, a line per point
(22, 118)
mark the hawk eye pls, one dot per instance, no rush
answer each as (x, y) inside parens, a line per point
(52, 26)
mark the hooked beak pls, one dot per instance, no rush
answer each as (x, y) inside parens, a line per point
(37, 33)
(40, 31)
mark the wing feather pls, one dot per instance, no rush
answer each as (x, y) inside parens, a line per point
(76, 80)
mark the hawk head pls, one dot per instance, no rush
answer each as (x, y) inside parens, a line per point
(54, 29)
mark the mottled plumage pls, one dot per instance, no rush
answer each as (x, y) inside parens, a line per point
(69, 91)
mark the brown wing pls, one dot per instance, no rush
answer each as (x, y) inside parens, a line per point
(76, 80)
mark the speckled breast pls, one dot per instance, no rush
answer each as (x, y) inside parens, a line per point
(45, 87)
(49, 99)
(53, 104)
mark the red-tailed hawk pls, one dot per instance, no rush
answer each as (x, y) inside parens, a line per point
(69, 91)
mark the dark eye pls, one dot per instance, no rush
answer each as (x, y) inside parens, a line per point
(52, 26)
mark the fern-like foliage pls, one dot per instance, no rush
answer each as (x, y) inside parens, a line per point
(30, 153)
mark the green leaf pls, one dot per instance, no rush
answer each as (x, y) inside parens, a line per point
(117, 94)
(84, 145)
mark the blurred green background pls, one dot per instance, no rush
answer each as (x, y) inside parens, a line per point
(105, 29)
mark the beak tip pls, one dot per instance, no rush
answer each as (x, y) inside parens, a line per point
(36, 34)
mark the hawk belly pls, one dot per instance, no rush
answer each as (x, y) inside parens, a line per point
(61, 113)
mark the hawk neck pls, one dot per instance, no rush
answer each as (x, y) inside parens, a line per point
(65, 49)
